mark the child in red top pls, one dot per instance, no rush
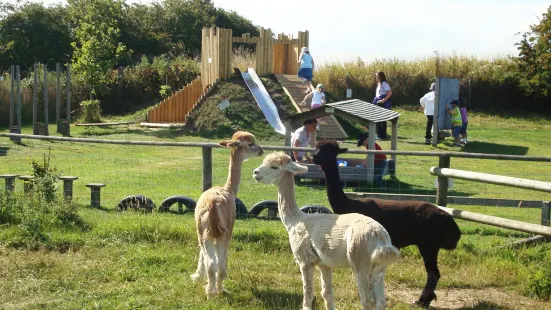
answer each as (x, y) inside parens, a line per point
(380, 159)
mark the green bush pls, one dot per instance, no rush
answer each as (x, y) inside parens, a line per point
(45, 179)
(165, 91)
(91, 112)
(33, 218)
(540, 283)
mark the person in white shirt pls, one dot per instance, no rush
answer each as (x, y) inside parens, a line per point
(382, 98)
(301, 138)
(306, 70)
(427, 102)
(318, 97)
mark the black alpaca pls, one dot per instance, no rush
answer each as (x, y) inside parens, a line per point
(407, 222)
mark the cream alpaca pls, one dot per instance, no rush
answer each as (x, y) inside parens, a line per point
(330, 241)
(215, 215)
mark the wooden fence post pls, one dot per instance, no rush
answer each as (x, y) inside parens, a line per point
(46, 119)
(35, 98)
(207, 167)
(545, 214)
(57, 96)
(442, 192)
(68, 95)
(12, 96)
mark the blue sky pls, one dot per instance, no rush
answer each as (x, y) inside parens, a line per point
(347, 29)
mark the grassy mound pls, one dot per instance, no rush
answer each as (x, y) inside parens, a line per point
(243, 112)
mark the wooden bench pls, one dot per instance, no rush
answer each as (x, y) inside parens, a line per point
(348, 173)
(105, 124)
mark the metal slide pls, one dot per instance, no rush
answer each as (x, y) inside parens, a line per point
(263, 100)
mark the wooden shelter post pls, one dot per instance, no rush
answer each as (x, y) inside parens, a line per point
(394, 141)
(371, 157)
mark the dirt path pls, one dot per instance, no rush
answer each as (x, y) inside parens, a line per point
(469, 299)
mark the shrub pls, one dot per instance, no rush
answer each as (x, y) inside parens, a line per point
(91, 112)
(165, 91)
(45, 179)
(540, 283)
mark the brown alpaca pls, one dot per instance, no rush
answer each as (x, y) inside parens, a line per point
(215, 215)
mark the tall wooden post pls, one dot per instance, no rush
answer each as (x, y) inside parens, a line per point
(442, 192)
(68, 117)
(35, 97)
(207, 168)
(18, 109)
(12, 95)
(46, 121)
(57, 94)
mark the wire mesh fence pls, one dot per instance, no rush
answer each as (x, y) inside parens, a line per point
(160, 171)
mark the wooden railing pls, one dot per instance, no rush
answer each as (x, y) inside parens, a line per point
(175, 108)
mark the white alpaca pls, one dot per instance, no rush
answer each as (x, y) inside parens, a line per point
(215, 215)
(330, 241)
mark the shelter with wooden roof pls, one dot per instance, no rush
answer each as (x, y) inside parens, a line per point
(357, 111)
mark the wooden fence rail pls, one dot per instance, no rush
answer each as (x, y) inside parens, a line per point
(175, 108)
(444, 160)
(491, 179)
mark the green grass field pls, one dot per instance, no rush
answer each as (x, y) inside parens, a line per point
(129, 260)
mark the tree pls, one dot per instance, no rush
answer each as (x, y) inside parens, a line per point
(534, 60)
(30, 33)
(236, 22)
(97, 46)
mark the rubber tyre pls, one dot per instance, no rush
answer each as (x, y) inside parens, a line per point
(136, 202)
(180, 200)
(240, 209)
(315, 209)
(261, 206)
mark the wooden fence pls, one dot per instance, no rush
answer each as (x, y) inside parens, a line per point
(272, 55)
(216, 52)
(175, 108)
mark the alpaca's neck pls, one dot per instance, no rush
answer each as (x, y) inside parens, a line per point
(286, 201)
(234, 172)
(335, 194)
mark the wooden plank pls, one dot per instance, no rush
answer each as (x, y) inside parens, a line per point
(491, 179)
(222, 53)
(499, 222)
(106, 124)
(204, 49)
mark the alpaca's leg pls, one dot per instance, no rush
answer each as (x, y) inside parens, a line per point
(222, 254)
(430, 257)
(377, 279)
(307, 271)
(211, 265)
(365, 289)
(200, 273)
(327, 287)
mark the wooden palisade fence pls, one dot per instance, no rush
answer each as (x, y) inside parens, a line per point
(175, 108)
(272, 56)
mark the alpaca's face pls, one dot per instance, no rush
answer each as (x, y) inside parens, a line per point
(274, 167)
(245, 143)
(326, 152)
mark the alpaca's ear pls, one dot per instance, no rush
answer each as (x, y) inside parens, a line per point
(343, 150)
(231, 143)
(296, 168)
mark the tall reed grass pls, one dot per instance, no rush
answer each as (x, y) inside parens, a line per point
(485, 84)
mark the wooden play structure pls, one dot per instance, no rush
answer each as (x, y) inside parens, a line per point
(359, 112)
(273, 55)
